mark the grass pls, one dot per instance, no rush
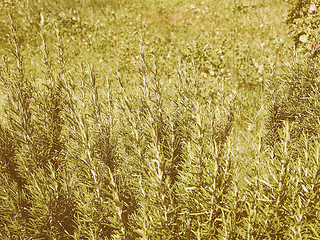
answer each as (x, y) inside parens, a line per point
(156, 120)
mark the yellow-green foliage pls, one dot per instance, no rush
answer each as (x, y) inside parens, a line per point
(140, 119)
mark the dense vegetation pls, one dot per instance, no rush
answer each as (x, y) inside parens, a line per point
(140, 119)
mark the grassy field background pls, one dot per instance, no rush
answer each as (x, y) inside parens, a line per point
(140, 119)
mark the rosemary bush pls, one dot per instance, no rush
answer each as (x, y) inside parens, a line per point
(146, 140)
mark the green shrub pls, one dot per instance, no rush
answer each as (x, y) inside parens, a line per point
(303, 19)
